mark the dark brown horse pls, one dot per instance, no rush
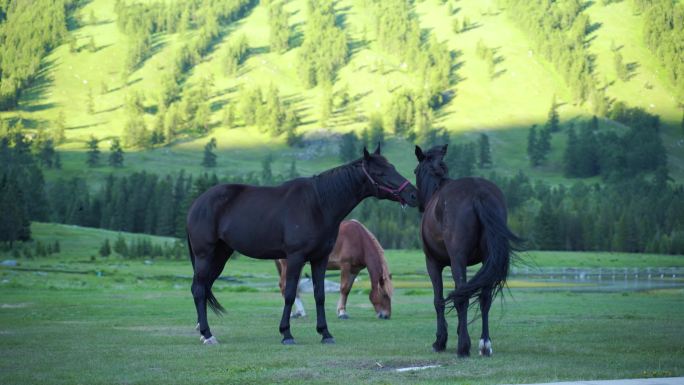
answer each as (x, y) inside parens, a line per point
(356, 249)
(297, 220)
(464, 223)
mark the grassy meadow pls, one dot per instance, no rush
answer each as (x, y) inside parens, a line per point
(73, 319)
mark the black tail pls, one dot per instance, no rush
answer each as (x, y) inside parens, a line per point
(500, 244)
(213, 303)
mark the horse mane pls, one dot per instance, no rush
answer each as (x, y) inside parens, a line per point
(331, 182)
(385, 273)
(432, 179)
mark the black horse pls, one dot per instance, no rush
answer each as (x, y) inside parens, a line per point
(464, 223)
(297, 220)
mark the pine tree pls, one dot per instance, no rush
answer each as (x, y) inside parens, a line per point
(116, 154)
(229, 116)
(14, 221)
(280, 30)
(209, 159)
(533, 146)
(121, 247)
(292, 172)
(377, 132)
(93, 154)
(546, 229)
(620, 67)
(552, 123)
(60, 128)
(570, 157)
(266, 173)
(292, 138)
(326, 105)
(91, 47)
(485, 151)
(544, 144)
(105, 249)
(348, 147)
(47, 153)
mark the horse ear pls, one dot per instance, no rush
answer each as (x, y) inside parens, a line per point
(366, 155)
(444, 149)
(377, 150)
(419, 153)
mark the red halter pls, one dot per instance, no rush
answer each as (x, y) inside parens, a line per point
(394, 192)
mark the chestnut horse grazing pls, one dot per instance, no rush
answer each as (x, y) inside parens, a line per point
(297, 220)
(464, 223)
(356, 249)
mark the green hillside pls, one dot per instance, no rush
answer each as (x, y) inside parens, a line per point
(504, 105)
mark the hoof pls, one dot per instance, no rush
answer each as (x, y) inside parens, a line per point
(486, 348)
(297, 314)
(328, 340)
(438, 348)
(209, 341)
(465, 354)
(343, 316)
(288, 341)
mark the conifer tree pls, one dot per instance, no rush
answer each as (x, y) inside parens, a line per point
(93, 154)
(116, 154)
(280, 30)
(552, 123)
(485, 151)
(266, 172)
(348, 147)
(209, 159)
(105, 248)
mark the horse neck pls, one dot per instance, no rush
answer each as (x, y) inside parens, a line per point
(428, 186)
(340, 190)
(374, 259)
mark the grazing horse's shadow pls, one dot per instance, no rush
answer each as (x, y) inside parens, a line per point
(464, 223)
(297, 220)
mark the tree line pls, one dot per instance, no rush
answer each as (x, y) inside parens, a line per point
(638, 212)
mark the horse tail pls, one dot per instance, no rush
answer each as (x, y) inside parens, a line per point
(500, 244)
(213, 303)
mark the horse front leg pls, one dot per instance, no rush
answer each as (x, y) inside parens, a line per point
(294, 270)
(485, 345)
(346, 282)
(318, 276)
(435, 271)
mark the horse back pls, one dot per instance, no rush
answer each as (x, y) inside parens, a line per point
(254, 220)
(450, 216)
(355, 247)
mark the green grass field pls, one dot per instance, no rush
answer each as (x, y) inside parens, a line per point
(68, 319)
(504, 107)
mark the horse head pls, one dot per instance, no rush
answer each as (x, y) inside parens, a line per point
(431, 170)
(381, 296)
(386, 182)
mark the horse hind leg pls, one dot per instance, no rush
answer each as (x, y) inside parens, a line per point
(485, 345)
(435, 272)
(208, 267)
